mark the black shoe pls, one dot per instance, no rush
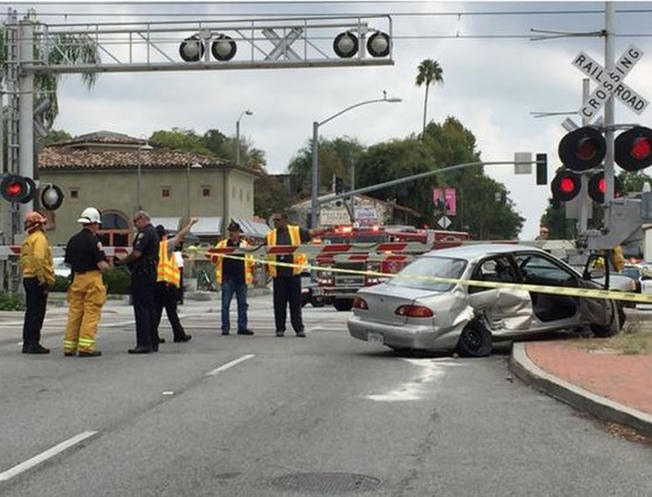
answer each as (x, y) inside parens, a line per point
(301, 334)
(35, 349)
(279, 333)
(225, 332)
(245, 332)
(184, 338)
(140, 350)
(94, 353)
(70, 354)
(161, 340)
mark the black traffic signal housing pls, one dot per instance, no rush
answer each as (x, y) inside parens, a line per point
(633, 149)
(338, 184)
(582, 149)
(566, 186)
(542, 169)
(598, 185)
(15, 188)
(51, 197)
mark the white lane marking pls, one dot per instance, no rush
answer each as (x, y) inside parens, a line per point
(229, 365)
(168, 392)
(43, 456)
(415, 388)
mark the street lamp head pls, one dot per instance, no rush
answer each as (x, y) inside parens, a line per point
(249, 113)
(394, 100)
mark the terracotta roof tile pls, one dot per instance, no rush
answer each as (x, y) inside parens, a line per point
(102, 137)
(71, 158)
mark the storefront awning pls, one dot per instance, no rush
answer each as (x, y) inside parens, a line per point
(207, 226)
(252, 228)
(169, 223)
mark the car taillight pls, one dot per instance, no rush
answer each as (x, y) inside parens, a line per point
(414, 311)
(360, 303)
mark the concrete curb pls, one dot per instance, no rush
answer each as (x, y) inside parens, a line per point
(583, 400)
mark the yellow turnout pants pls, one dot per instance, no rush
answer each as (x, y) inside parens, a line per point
(86, 296)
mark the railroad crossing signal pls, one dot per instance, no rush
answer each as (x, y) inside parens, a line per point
(566, 186)
(610, 83)
(633, 149)
(17, 189)
(598, 185)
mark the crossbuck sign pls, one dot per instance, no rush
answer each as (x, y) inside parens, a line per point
(610, 83)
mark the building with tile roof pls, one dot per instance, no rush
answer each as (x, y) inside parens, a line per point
(119, 174)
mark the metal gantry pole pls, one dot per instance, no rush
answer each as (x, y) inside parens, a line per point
(237, 142)
(609, 61)
(26, 109)
(585, 200)
(314, 205)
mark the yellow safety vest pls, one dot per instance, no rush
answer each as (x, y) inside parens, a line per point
(249, 263)
(36, 258)
(295, 241)
(167, 269)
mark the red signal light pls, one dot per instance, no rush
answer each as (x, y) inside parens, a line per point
(566, 186)
(13, 189)
(598, 187)
(582, 149)
(641, 149)
(633, 149)
(586, 149)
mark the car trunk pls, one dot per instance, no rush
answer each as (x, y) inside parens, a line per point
(383, 300)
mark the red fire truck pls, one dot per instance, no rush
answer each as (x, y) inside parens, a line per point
(338, 288)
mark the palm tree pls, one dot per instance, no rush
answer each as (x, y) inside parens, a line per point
(429, 72)
(75, 48)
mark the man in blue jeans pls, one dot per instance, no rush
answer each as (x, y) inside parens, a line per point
(234, 275)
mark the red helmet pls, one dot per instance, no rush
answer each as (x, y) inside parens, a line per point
(34, 219)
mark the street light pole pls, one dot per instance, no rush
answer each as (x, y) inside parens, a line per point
(196, 165)
(314, 203)
(237, 135)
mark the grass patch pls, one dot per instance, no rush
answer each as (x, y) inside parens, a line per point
(11, 302)
(634, 339)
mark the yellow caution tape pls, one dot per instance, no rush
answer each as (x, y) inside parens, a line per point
(554, 290)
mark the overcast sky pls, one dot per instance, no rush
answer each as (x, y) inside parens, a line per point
(491, 82)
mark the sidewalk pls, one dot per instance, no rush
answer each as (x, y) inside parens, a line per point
(609, 385)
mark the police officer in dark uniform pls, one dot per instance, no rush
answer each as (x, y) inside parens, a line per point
(142, 262)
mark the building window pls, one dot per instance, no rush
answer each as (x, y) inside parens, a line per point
(74, 193)
(114, 230)
(166, 192)
(205, 191)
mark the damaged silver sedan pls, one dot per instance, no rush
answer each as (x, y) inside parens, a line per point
(414, 312)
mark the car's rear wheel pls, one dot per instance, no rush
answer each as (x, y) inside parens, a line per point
(475, 340)
(608, 331)
(343, 304)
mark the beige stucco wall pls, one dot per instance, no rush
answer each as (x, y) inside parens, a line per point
(116, 190)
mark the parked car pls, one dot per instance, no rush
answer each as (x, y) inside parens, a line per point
(60, 268)
(414, 312)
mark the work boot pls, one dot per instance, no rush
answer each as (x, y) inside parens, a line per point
(140, 350)
(35, 349)
(184, 338)
(225, 332)
(246, 331)
(92, 353)
(279, 333)
(301, 334)
(70, 353)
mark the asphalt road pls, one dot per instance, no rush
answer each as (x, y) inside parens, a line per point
(267, 416)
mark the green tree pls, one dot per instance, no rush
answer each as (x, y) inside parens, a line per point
(429, 72)
(180, 139)
(72, 48)
(57, 135)
(633, 181)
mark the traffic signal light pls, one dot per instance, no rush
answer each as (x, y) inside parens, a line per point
(582, 149)
(633, 149)
(566, 186)
(338, 184)
(542, 169)
(17, 189)
(51, 197)
(598, 185)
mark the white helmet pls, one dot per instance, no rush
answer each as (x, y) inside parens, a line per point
(90, 215)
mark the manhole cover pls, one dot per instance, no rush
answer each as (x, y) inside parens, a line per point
(327, 482)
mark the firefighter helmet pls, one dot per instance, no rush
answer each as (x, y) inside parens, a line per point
(90, 215)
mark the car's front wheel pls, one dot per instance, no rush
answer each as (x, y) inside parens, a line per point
(343, 304)
(475, 340)
(608, 331)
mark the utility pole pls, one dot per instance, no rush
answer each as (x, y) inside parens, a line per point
(609, 60)
(585, 202)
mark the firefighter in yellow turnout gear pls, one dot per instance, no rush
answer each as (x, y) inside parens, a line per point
(233, 276)
(38, 278)
(87, 293)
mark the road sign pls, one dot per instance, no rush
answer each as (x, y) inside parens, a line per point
(610, 83)
(444, 222)
(523, 163)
